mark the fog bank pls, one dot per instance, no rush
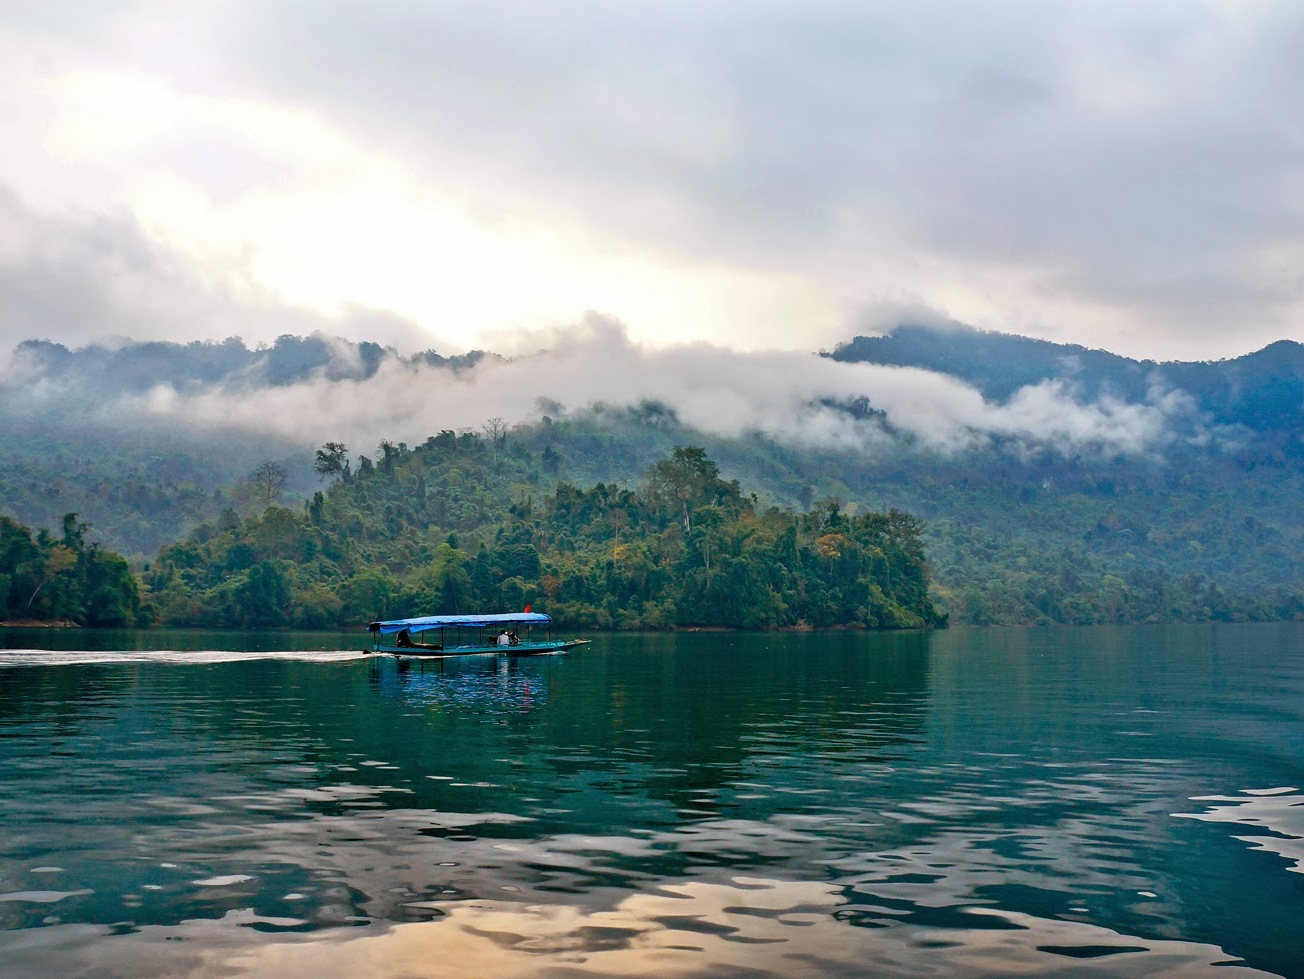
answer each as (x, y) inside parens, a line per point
(796, 398)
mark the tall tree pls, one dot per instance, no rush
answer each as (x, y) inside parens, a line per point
(332, 461)
(682, 482)
(495, 430)
(268, 482)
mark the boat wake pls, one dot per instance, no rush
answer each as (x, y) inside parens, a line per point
(54, 657)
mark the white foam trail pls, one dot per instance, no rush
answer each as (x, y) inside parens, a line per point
(54, 657)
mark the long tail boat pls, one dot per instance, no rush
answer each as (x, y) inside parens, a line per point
(469, 635)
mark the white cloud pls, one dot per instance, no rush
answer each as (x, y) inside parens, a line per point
(785, 395)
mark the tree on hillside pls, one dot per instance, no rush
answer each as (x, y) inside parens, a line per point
(260, 489)
(52, 563)
(269, 482)
(332, 461)
(495, 430)
(686, 481)
(389, 454)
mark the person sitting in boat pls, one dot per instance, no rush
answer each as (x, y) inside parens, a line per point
(502, 638)
(512, 638)
(404, 641)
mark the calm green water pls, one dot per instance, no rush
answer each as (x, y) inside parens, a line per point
(1070, 801)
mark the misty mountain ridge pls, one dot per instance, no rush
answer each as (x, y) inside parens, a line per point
(1262, 391)
(989, 391)
(137, 366)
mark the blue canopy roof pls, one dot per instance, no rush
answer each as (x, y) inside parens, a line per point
(440, 621)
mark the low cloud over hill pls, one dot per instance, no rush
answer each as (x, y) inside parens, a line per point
(317, 388)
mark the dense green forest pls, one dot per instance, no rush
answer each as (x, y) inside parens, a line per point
(65, 579)
(459, 524)
(1014, 537)
(470, 522)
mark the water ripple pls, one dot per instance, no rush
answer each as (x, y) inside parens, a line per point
(1277, 815)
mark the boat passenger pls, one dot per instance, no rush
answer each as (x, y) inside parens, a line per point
(513, 638)
(404, 638)
(503, 640)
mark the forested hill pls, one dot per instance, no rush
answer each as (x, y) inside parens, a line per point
(461, 524)
(1262, 391)
(185, 366)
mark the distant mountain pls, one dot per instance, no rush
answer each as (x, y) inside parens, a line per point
(1262, 391)
(136, 367)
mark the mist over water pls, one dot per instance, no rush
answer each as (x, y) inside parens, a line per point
(974, 802)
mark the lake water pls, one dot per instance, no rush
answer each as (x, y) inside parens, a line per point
(972, 802)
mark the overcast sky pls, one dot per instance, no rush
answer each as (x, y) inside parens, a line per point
(762, 175)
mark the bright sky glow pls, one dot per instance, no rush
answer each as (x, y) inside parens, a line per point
(1118, 176)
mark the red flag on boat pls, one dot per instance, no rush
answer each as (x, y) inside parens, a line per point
(528, 607)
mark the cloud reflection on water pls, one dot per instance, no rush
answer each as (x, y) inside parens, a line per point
(1277, 813)
(755, 926)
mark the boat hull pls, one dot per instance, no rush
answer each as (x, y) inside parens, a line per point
(543, 648)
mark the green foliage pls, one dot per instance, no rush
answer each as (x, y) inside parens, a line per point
(48, 578)
(458, 524)
(332, 461)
